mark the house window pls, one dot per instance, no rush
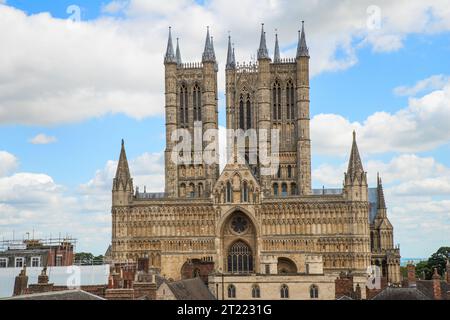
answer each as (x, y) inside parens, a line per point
(314, 292)
(256, 292)
(59, 260)
(19, 262)
(231, 291)
(3, 262)
(284, 292)
(36, 262)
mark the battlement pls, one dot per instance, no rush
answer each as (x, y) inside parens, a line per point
(190, 65)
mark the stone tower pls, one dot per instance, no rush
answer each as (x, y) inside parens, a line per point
(273, 95)
(191, 108)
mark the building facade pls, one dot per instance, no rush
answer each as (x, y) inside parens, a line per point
(242, 221)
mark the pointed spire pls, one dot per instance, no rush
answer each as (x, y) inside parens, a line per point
(355, 167)
(380, 194)
(231, 62)
(276, 57)
(170, 56)
(302, 48)
(123, 175)
(262, 51)
(208, 53)
(179, 61)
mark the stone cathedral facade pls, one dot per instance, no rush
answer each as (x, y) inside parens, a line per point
(249, 228)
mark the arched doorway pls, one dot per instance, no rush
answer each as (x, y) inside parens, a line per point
(286, 266)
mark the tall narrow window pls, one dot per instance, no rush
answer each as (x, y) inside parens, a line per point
(314, 292)
(276, 101)
(290, 101)
(284, 292)
(228, 193)
(245, 192)
(284, 191)
(184, 116)
(231, 291)
(275, 189)
(289, 169)
(249, 113)
(241, 114)
(197, 97)
(256, 292)
(293, 189)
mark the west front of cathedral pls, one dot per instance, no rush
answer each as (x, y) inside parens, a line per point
(245, 233)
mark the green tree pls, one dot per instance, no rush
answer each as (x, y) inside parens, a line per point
(423, 271)
(84, 257)
(439, 260)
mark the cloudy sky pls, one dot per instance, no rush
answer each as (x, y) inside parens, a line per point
(77, 76)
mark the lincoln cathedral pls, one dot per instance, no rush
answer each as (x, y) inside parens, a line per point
(245, 233)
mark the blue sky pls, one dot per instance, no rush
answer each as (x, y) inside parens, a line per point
(87, 130)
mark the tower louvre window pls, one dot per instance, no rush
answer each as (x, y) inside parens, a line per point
(197, 99)
(290, 102)
(249, 113)
(276, 101)
(184, 115)
(241, 114)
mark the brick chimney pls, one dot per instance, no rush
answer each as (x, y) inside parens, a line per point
(411, 269)
(21, 283)
(42, 285)
(437, 285)
(43, 277)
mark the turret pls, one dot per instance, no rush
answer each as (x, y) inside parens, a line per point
(178, 55)
(355, 182)
(122, 191)
(170, 63)
(303, 116)
(263, 104)
(209, 99)
(230, 80)
(276, 55)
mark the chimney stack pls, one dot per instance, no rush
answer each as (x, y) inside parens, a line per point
(411, 269)
(21, 283)
(437, 285)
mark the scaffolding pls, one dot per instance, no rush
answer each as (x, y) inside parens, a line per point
(30, 244)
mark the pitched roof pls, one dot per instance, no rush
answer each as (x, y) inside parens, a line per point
(170, 55)
(427, 287)
(59, 295)
(302, 48)
(190, 289)
(263, 53)
(401, 294)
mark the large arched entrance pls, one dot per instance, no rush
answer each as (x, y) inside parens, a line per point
(239, 244)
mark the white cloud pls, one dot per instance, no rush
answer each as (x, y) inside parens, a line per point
(436, 82)
(114, 65)
(422, 126)
(43, 139)
(115, 6)
(8, 163)
(416, 189)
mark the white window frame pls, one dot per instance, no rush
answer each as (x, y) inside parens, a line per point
(39, 262)
(17, 259)
(6, 262)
